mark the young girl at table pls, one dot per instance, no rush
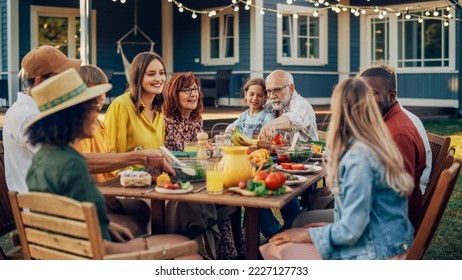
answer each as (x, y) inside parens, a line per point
(252, 119)
(366, 174)
(59, 169)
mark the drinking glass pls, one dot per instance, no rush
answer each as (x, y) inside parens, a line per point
(190, 146)
(214, 178)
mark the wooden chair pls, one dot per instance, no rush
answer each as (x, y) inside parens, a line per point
(432, 216)
(57, 227)
(439, 146)
(6, 216)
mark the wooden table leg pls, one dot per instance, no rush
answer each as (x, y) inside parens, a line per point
(252, 233)
(236, 225)
(157, 216)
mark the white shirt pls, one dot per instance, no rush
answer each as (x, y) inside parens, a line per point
(18, 150)
(425, 177)
(301, 115)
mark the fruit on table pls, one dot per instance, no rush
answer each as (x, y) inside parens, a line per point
(240, 139)
(163, 179)
(243, 184)
(279, 140)
(275, 180)
(298, 166)
(282, 158)
(260, 176)
(286, 165)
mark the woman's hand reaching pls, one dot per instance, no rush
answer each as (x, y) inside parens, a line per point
(297, 235)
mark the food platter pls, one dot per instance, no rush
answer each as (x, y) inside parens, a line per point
(309, 168)
(171, 191)
(301, 179)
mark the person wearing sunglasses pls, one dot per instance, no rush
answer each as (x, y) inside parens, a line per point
(294, 112)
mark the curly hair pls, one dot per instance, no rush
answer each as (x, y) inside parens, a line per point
(62, 127)
(137, 70)
(171, 91)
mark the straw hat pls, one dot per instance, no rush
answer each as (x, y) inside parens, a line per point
(61, 92)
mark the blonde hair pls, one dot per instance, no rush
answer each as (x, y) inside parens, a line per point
(355, 115)
(92, 75)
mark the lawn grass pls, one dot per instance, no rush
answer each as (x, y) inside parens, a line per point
(447, 242)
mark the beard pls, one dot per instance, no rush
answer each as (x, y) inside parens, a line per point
(279, 104)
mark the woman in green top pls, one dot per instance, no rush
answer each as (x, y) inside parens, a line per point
(68, 110)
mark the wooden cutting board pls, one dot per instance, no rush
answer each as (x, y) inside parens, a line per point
(249, 193)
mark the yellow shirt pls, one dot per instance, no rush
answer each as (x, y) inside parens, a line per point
(126, 130)
(97, 144)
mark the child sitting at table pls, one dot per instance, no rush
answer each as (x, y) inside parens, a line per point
(252, 119)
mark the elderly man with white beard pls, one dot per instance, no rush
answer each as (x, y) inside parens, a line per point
(297, 113)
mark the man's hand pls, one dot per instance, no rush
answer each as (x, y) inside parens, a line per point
(119, 232)
(297, 235)
(156, 153)
(267, 132)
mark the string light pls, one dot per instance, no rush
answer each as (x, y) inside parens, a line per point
(420, 20)
(336, 6)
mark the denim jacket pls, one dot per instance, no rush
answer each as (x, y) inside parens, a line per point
(370, 220)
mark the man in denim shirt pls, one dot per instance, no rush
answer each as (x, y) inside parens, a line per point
(298, 114)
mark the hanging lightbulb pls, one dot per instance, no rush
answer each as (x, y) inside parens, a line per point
(321, 1)
(435, 13)
(194, 15)
(381, 15)
(449, 15)
(357, 13)
(180, 9)
(279, 15)
(326, 3)
(114, 0)
(448, 8)
(353, 10)
(376, 9)
(363, 12)
(446, 23)
(295, 16)
(316, 4)
(289, 2)
(236, 8)
(170, 1)
(316, 14)
(408, 15)
(122, 1)
(262, 12)
(344, 9)
(398, 13)
(427, 13)
(247, 7)
(384, 12)
(234, 1)
(249, 2)
(420, 20)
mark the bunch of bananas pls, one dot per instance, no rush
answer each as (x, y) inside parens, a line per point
(240, 139)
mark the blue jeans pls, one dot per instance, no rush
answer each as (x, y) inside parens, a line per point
(269, 225)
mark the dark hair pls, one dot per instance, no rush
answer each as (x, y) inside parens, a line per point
(62, 127)
(137, 71)
(380, 72)
(171, 91)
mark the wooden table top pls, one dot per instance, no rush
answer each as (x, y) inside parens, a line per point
(113, 188)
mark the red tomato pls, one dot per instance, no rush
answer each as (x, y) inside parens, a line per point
(260, 176)
(175, 186)
(282, 158)
(274, 181)
(168, 186)
(242, 184)
(298, 166)
(282, 176)
(286, 165)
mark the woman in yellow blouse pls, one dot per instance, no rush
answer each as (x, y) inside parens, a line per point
(134, 119)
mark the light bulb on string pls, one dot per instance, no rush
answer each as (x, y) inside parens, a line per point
(295, 16)
(446, 23)
(448, 8)
(357, 13)
(408, 15)
(262, 12)
(344, 9)
(316, 4)
(316, 14)
(384, 12)
(353, 10)
(381, 15)
(376, 9)
(279, 15)
(363, 12)
(398, 13)
(234, 1)
(247, 7)
(249, 2)
(289, 2)
(181, 9)
(420, 20)
(449, 16)
(194, 15)
(122, 1)
(170, 1)
(114, 0)
(326, 3)
(427, 13)
(435, 13)
(236, 8)
(320, 1)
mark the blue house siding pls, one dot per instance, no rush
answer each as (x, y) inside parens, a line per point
(437, 86)
(187, 45)
(355, 43)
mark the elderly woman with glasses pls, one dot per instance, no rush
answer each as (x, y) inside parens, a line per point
(182, 110)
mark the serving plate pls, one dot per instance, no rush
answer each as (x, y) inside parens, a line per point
(178, 191)
(301, 179)
(309, 168)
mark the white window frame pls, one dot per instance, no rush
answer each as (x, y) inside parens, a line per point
(205, 35)
(71, 14)
(393, 41)
(323, 37)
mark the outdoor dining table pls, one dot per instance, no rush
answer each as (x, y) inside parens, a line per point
(228, 198)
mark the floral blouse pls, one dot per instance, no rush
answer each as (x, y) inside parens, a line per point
(178, 130)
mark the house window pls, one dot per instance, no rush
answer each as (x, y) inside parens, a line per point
(302, 37)
(412, 43)
(60, 27)
(220, 38)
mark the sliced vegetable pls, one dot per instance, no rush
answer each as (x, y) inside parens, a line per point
(163, 179)
(185, 185)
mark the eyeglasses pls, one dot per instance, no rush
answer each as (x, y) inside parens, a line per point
(276, 90)
(189, 91)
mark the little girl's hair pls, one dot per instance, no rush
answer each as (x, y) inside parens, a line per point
(253, 82)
